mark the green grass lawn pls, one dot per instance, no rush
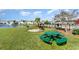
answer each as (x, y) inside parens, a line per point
(21, 39)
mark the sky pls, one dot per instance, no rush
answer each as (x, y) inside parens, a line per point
(28, 14)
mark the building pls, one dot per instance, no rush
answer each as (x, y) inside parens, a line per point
(65, 24)
(77, 23)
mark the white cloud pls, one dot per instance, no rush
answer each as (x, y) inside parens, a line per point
(1, 10)
(37, 13)
(3, 13)
(67, 10)
(50, 11)
(24, 13)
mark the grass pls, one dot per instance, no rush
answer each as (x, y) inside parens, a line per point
(21, 39)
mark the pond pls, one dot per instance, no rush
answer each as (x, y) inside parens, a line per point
(6, 26)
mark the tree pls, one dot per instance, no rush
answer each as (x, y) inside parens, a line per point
(15, 23)
(46, 22)
(24, 21)
(41, 26)
(66, 16)
(27, 26)
(37, 20)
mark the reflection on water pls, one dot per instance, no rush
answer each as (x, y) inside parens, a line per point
(6, 26)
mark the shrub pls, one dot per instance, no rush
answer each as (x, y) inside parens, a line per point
(59, 28)
(75, 32)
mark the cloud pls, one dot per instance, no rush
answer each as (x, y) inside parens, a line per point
(24, 13)
(1, 10)
(37, 13)
(50, 11)
(67, 10)
(3, 13)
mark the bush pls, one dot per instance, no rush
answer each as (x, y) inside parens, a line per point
(75, 32)
(59, 28)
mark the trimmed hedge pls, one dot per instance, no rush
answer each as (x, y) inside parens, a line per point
(75, 32)
(59, 28)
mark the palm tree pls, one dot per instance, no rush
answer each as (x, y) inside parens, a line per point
(37, 20)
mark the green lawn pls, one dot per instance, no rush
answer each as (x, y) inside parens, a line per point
(21, 39)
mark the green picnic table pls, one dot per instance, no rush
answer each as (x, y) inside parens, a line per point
(50, 36)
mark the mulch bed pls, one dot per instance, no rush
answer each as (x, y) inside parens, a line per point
(67, 33)
(77, 36)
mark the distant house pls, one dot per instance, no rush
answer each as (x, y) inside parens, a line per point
(10, 22)
(74, 24)
(20, 22)
(63, 24)
(30, 22)
(77, 23)
(3, 21)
